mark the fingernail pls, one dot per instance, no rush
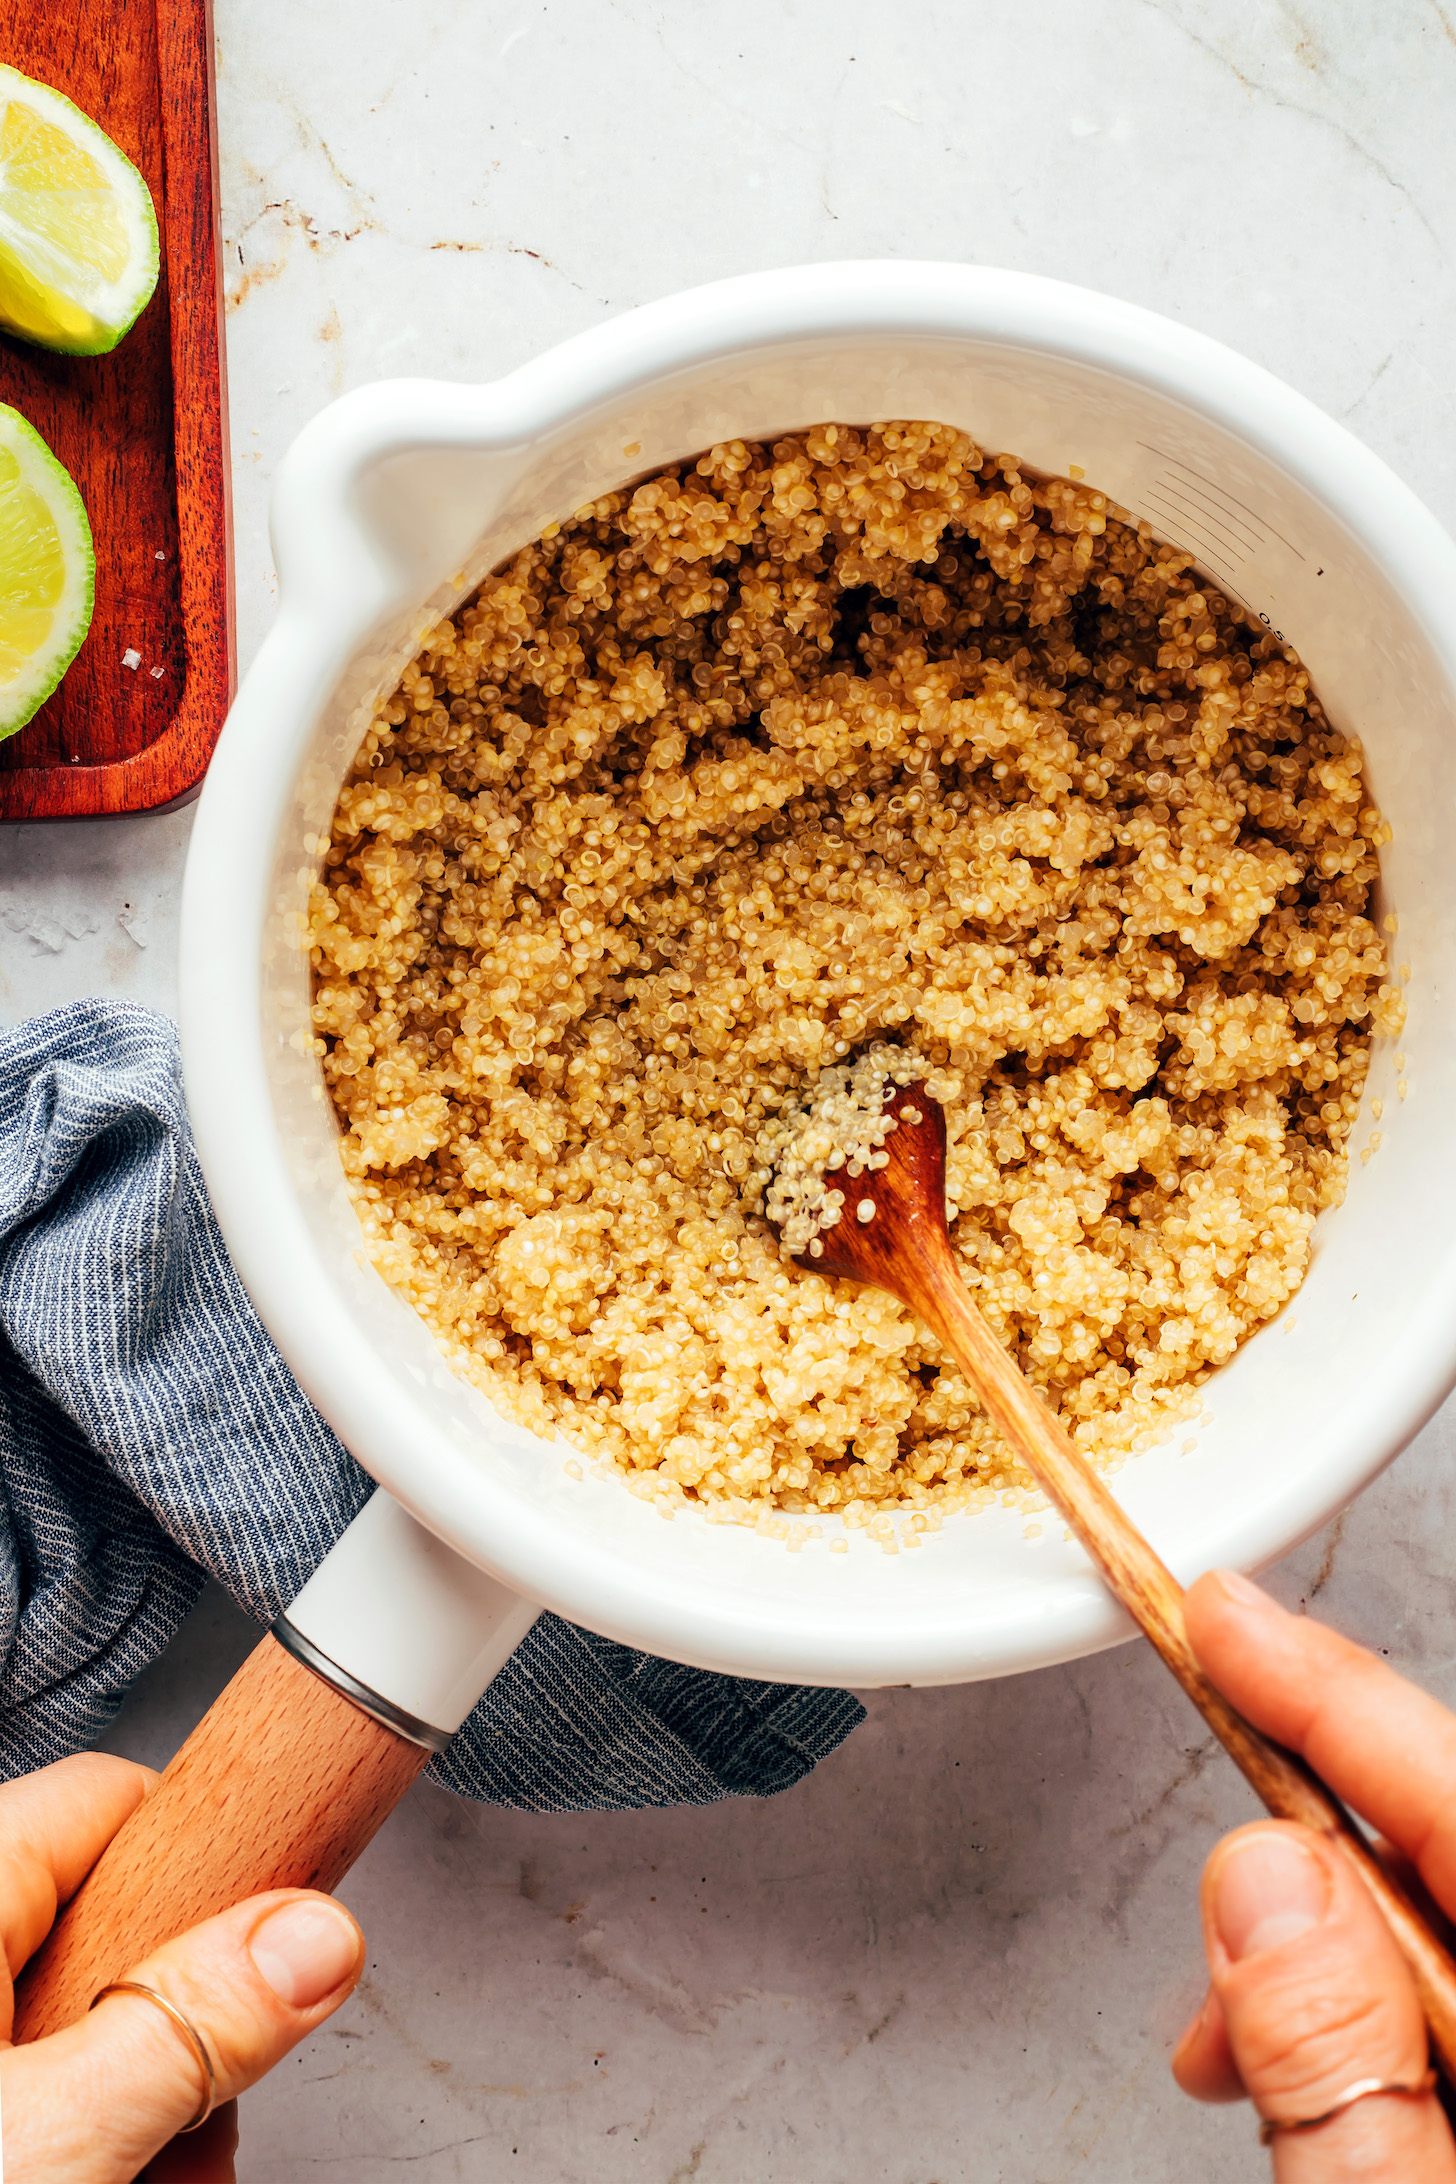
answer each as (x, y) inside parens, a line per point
(1191, 2030)
(1240, 1588)
(304, 1950)
(1268, 1889)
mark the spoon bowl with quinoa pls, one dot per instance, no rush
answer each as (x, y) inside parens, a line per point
(704, 773)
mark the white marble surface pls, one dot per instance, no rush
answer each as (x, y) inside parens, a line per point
(962, 1949)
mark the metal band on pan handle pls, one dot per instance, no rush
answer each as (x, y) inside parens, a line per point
(358, 1694)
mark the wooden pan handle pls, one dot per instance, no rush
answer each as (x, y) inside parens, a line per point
(1152, 1595)
(280, 1785)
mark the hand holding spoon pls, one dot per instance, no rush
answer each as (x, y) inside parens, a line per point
(891, 1233)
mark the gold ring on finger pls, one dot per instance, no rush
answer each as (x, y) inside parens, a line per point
(1362, 2090)
(189, 2033)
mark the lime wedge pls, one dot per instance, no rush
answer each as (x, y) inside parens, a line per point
(78, 236)
(47, 571)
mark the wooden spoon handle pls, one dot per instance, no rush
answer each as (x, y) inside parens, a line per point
(1152, 1595)
(280, 1785)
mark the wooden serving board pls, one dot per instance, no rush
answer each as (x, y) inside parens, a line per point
(143, 431)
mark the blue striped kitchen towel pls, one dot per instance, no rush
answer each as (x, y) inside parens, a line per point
(149, 1432)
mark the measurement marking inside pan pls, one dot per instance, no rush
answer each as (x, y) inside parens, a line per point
(1261, 522)
(1184, 526)
(1192, 541)
(1241, 534)
(1191, 520)
(1170, 497)
(1213, 495)
(1171, 493)
(1208, 550)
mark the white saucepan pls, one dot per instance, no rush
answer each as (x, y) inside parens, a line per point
(389, 508)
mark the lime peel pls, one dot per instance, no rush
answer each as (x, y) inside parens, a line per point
(78, 232)
(47, 571)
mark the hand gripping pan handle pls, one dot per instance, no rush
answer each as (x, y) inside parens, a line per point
(299, 1762)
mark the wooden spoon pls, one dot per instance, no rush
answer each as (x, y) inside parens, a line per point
(904, 1246)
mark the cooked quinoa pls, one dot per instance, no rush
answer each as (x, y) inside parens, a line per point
(786, 749)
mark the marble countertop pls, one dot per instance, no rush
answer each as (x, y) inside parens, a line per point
(963, 1948)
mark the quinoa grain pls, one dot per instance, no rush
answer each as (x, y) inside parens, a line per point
(861, 736)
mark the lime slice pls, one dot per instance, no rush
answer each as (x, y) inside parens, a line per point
(78, 236)
(47, 571)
